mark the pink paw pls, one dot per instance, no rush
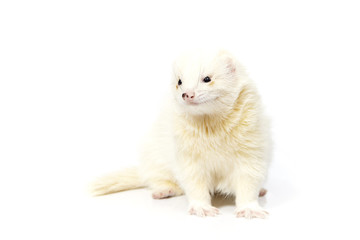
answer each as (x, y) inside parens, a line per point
(163, 194)
(203, 211)
(250, 213)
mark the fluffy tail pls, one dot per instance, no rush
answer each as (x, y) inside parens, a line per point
(116, 182)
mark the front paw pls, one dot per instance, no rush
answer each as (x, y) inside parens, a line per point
(251, 211)
(203, 211)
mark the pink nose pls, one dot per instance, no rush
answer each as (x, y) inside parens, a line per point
(188, 96)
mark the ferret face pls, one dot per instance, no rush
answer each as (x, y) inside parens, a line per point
(205, 83)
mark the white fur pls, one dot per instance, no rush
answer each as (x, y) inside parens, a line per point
(218, 143)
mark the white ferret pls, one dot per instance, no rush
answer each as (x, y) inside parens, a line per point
(212, 137)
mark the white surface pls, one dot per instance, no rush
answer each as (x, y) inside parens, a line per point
(81, 82)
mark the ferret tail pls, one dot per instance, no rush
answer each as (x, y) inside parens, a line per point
(116, 182)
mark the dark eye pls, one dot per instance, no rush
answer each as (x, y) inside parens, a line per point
(179, 82)
(207, 79)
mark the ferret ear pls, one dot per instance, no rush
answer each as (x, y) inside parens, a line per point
(228, 60)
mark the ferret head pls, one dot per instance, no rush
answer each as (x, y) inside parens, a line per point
(206, 83)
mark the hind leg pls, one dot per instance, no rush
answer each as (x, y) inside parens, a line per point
(165, 189)
(158, 176)
(160, 181)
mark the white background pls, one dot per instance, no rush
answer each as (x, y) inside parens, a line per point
(82, 81)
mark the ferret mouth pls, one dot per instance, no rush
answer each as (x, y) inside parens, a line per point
(197, 103)
(193, 103)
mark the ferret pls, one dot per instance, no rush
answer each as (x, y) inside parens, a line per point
(211, 138)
